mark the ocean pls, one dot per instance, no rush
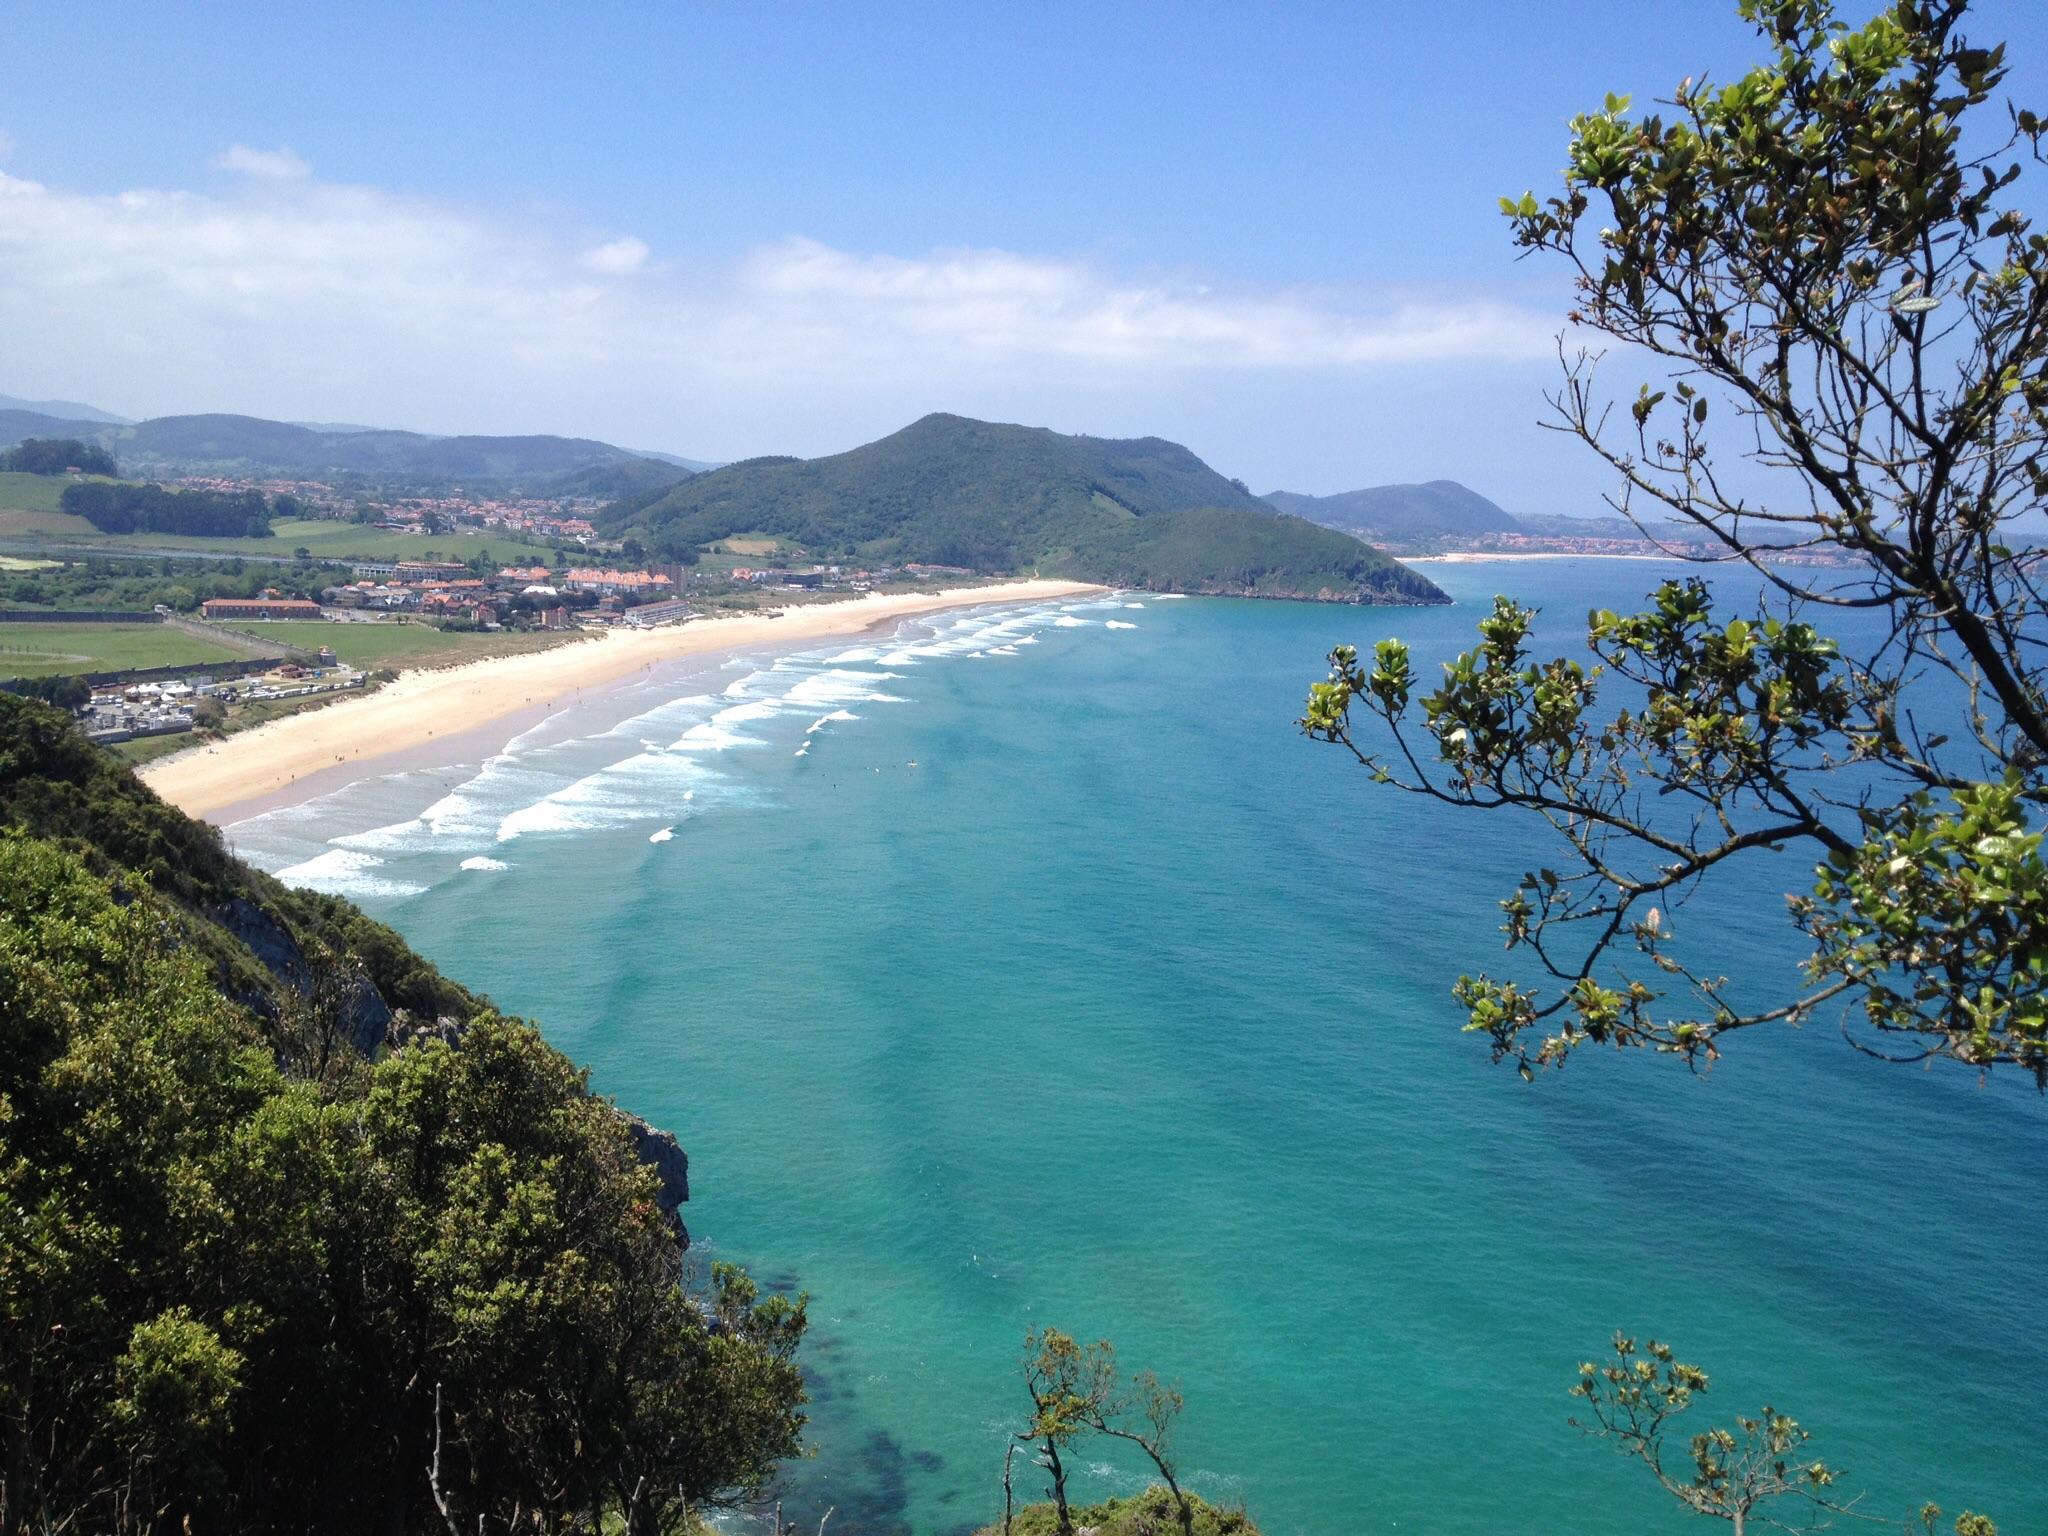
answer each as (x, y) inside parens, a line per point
(1028, 967)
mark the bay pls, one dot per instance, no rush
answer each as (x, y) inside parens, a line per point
(1031, 968)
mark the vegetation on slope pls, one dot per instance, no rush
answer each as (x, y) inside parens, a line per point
(1434, 509)
(1219, 550)
(251, 444)
(996, 498)
(616, 480)
(115, 507)
(1151, 1513)
(258, 1279)
(56, 455)
(18, 425)
(56, 785)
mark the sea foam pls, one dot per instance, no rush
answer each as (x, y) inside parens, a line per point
(346, 872)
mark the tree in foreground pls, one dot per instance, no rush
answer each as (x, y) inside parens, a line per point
(1752, 1476)
(1078, 1390)
(1828, 260)
(438, 1290)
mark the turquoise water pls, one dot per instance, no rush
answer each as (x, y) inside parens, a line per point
(1065, 983)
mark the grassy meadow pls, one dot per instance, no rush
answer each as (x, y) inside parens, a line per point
(57, 650)
(399, 643)
(29, 514)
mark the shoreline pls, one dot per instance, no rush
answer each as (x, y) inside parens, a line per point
(259, 769)
(1490, 557)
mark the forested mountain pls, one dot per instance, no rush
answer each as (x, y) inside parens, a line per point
(247, 442)
(617, 480)
(1434, 509)
(948, 490)
(302, 1235)
(694, 466)
(251, 445)
(18, 426)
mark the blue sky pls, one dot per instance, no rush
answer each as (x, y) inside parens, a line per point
(1268, 231)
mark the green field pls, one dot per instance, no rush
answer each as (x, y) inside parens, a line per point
(37, 493)
(399, 644)
(329, 539)
(323, 538)
(56, 650)
(20, 523)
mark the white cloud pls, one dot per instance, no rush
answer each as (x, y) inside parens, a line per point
(279, 164)
(617, 256)
(977, 305)
(303, 298)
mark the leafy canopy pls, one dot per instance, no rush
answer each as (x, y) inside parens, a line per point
(246, 1297)
(1828, 259)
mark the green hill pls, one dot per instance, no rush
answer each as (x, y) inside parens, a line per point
(996, 498)
(17, 425)
(1223, 551)
(247, 442)
(616, 479)
(301, 1235)
(251, 445)
(1433, 510)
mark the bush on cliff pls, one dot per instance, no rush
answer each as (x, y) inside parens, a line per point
(1151, 1513)
(252, 1287)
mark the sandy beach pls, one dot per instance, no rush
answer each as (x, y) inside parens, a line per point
(423, 706)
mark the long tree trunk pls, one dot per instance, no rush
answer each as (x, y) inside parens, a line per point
(1059, 1486)
(1180, 1500)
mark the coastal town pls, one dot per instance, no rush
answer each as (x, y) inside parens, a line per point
(228, 641)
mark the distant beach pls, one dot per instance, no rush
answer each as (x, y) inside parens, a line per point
(260, 765)
(1489, 558)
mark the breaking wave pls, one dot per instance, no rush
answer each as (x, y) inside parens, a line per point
(346, 872)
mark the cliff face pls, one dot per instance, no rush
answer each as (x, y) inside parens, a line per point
(304, 963)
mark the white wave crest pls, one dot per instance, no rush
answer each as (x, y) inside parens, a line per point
(346, 872)
(824, 720)
(1068, 621)
(837, 686)
(1117, 624)
(662, 836)
(480, 862)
